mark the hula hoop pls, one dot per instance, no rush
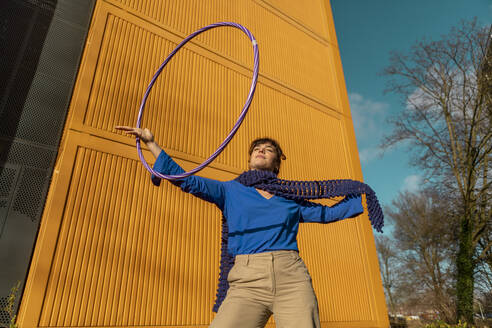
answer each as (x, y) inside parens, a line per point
(238, 122)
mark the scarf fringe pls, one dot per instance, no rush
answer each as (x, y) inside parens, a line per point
(305, 190)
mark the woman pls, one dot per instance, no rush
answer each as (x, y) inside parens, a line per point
(268, 276)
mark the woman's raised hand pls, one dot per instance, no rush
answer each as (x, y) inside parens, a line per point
(144, 134)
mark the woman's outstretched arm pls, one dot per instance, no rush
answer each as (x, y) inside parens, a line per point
(206, 189)
(348, 207)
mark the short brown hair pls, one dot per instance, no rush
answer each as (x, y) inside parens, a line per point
(278, 151)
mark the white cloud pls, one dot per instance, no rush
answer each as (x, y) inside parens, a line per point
(412, 183)
(420, 100)
(372, 107)
(368, 154)
(368, 117)
(461, 95)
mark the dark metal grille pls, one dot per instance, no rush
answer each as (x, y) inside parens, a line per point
(29, 154)
(41, 43)
(28, 197)
(7, 176)
(4, 316)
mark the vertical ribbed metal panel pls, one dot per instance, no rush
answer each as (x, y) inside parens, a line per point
(119, 252)
(306, 71)
(119, 82)
(130, 254)
(337, 263)
(308, 13)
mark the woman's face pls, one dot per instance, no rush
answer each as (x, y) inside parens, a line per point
(262, 157)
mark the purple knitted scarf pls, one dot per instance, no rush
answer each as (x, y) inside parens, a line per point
(298, 191)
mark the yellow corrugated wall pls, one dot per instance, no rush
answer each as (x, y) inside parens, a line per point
(113, 250)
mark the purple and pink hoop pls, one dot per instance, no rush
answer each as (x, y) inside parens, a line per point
(238, 122)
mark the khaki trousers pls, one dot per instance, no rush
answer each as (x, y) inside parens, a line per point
(268, 283)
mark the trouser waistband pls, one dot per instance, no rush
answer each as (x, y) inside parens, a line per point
(245, 258)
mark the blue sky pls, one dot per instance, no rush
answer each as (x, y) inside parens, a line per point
(367, 31)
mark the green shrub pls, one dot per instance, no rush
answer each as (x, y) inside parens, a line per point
(9, 308)
(442, 324)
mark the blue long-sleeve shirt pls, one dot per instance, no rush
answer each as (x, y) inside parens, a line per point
(257, 224)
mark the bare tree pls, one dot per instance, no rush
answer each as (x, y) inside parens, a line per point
(483, 279)
(484, 264)
(423, 235)
(388, 263)
(447, 121)
(484, 250)
(487, 303)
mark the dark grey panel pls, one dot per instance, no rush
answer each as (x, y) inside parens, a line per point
(74, 11)
(44, 110)
(25, 29)
(60, 56)
(7, 179)
(41, 43)
(28, 196)
(27, 154)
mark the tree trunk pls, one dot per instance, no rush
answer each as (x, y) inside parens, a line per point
(465, 268)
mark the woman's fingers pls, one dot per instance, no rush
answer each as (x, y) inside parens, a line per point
(143, 134)
(130, 130)
(125, 128)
